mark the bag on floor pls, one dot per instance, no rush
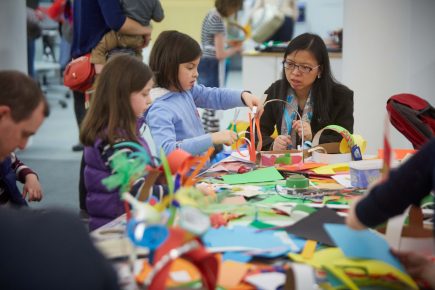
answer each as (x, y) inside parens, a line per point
(79, 74)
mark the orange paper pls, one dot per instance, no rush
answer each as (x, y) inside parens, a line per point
(300, 166)
(399, 154)
(231, 273)
(177, 265)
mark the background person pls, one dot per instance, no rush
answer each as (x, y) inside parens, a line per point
(211, 68)
(91, 20)
(141, 11)
(290, 11)
(309, 87)
(23, 107)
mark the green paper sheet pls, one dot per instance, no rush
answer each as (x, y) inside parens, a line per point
(261, 225)
(279, 198)
(259, 175)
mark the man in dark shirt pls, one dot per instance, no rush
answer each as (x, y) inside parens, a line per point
(50, 250)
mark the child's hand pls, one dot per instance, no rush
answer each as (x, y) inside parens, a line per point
(32, 188)
(297, 125)
(281, 142)
(226, 137)
(251, 100)
(236, 44)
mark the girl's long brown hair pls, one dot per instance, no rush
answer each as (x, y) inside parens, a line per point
(110, 116)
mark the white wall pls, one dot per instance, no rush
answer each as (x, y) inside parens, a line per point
(388, 49)
(321, 17)
(13, 45)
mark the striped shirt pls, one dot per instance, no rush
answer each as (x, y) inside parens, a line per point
(212, 25)
(21, 171)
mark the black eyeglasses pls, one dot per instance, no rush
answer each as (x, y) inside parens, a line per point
(302, 68)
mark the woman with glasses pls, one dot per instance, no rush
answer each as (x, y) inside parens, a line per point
(309, 91)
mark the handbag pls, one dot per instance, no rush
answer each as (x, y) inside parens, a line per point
(79, 74)
(265, 21)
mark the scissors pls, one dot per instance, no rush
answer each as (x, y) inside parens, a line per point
(232, 126)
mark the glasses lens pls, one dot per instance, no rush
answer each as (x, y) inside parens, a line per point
(305, 69)
(288, 65)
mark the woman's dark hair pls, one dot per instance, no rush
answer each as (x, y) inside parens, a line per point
(228, 7)
(322, 87)
(171, 49)
(110, 115)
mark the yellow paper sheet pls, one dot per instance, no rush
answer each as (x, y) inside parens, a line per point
(332, 168)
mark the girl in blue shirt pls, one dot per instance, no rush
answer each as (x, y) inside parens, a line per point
(173, 117)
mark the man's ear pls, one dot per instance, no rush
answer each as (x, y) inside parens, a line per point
(4, 111)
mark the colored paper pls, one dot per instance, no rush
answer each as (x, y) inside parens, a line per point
(261, 225)
(231, 273)
(259, 243)
(374, 267)
(399, 154)
(311, 227)
(300, 166)
(259, 175)
(234, 200)
(322, 257)
(299, 242)
(362, 244)
(343, 179)
(180, 276)
(280, 198)
(332, 168)
(333, 260)
(236, 257)
(309, 248)
(267, 281)
(242, 156)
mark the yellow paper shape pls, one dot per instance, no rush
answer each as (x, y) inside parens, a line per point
(309, 248)
(320, 258)
(358, 139)
(333, 260)
(332, 168)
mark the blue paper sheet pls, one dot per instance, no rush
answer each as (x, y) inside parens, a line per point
(362, 244)
(242, 236)
(236, 256)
